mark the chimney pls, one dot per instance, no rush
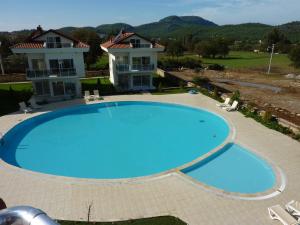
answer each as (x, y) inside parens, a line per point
(39, 28)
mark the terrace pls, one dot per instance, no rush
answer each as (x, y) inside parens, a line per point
(168, 194)
(59, 72)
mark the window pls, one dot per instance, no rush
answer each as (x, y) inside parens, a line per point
(141, 60)
(123, 81)
(141, 81)
(42, 88)
(58, 88)
(70, 88)
(62, 65)
(122, 60)
(136, 60)
(136, 43)
(54, 42)
(38, 64)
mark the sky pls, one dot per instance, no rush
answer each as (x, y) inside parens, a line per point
(27, 14)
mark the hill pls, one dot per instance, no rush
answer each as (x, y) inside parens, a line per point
(180, 26)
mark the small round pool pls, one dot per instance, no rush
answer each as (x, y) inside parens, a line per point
(113, 140)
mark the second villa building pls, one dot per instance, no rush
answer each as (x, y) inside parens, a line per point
(132, 61)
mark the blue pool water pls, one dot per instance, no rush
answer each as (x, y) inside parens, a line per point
(234, 169)
(113, 140)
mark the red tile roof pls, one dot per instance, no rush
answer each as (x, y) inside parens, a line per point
(31, 41)
(29, 45)
(121, 44)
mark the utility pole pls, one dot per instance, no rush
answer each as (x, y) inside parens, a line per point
(1, 64)
(270, 63)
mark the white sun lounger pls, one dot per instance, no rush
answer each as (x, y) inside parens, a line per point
(96, 95)
(276, 212)
(224, 104)
(233, 107)
(293, 207)
(87, 96)
(33, 104)
(24, 108)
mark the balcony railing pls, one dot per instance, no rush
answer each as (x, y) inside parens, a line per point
(70, 72)
(122, 67)
(140, 45)
(58, 45)
(140, 67)
(135, 67)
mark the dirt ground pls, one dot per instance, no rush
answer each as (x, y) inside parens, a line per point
(284, 101)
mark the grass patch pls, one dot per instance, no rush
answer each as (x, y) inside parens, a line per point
(16, 86)
(164, 220)
(104, 85)
(13, 93)
(248, 60)
(101, 64)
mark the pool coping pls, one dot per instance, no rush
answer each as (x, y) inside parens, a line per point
(277, 189)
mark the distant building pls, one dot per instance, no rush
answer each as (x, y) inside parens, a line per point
(55, 64)
(132, 61)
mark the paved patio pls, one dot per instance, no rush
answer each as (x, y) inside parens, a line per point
(69, 198)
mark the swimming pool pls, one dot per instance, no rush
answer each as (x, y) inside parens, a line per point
(234, 169)
(113, 140)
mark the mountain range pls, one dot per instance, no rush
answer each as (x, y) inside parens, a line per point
(179, 26)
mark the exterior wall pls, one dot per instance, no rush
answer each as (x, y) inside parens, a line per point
(50, 34)
(114, 74)
(112, 69)
(143, 41)
(56, 53)
(51, 97)
(77, 60)
(144, 50)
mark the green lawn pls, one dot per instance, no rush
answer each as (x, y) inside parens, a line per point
(16, 87)
(13, 93)
(250, 60)
(164, 220)
(28, 86)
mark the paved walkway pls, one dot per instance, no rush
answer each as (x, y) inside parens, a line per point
(69, 198)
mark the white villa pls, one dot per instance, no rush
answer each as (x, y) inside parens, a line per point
(55, 64)
(132, 61)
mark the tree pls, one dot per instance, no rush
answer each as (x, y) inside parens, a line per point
(206, 49)
(4, 48)
(175, 48)
(222, 46)
(282, 44)
(93, 40)
(294, 55)
(212, 48)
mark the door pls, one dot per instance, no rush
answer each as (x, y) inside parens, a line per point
(141, 82)
(58, 88)
(123, 81)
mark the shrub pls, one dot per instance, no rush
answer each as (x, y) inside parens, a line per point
(216, 92)
(159, 88)
(98, 84)
(217, 67)
(236, 96)
(200, 81)
(181, 85)
(174, 63)
(267, 117)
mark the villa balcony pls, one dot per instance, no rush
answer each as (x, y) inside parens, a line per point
(57, 45)
(52, 73)
(134, 68)
(141, 45)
